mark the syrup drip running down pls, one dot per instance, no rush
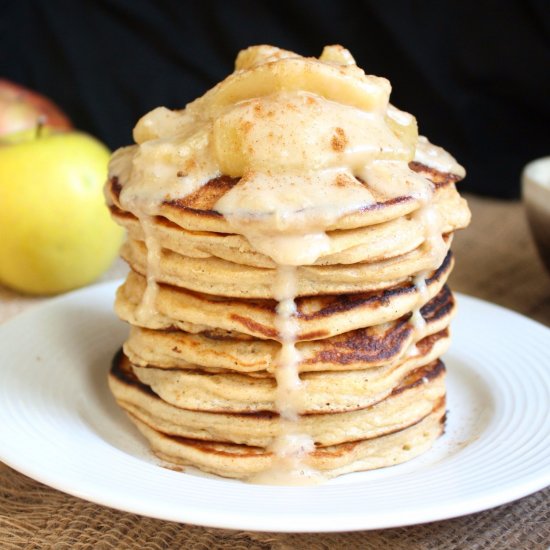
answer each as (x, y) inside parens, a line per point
(436, 248)
(147, 307)
(290, 446)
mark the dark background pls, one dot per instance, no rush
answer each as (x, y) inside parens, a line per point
(475, 74)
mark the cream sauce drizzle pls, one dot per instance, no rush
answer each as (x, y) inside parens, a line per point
(290, 446)
(144, 206)
(283, 215)
(296, 132)
(147, 308)
(436, 157)
(437, 249)
(288, 392)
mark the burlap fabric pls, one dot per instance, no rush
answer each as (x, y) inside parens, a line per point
(496, 261)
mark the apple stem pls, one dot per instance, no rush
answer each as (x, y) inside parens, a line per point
(40, 122)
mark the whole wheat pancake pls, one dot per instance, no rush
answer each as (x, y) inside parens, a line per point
(242, 461)
(223, 278)
(196, 212)
(321, 391)
(317, 317)
(218, 351)
(410, 402)
(364, 244)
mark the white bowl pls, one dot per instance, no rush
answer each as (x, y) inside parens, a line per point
(535, 183)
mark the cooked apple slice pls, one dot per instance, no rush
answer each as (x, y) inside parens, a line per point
(255, 55)
(344, 84)
(337, 54)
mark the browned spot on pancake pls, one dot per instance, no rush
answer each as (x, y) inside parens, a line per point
(158, 331)
(439, 306)
(442, 268)
(161, 220)
(339, 140)
(426, 344)
(336, 450)
(364, 345)
(440, 179)
(259, 304)
(122, 371)
(379, 205)
(181, 174)
(226, 335)
(199, 214)
(116, 211)
(116, 186)
(313, 335)
(254, 326)
(421, 375)
(331, 305)
(204, 198)
(443, 419)
(368, 345)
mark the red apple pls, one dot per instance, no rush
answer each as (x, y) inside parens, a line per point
(22, 109)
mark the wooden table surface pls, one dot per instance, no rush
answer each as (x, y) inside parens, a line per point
(496, 261)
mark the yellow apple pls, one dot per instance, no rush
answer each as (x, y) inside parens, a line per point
(56, 233)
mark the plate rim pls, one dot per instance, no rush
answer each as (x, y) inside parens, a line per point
(268, 522)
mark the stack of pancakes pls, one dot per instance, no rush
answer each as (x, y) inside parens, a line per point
(197, 373)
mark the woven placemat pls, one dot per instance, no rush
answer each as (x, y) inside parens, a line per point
(496, 261)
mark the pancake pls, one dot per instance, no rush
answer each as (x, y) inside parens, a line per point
(223, 278)
(364, 244)
(242, 461)
(218, 351)
(413, 399)
(196, 212)
(318, 317)
(321, 391)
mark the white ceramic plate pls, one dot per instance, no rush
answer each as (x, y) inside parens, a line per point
(60, 425)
